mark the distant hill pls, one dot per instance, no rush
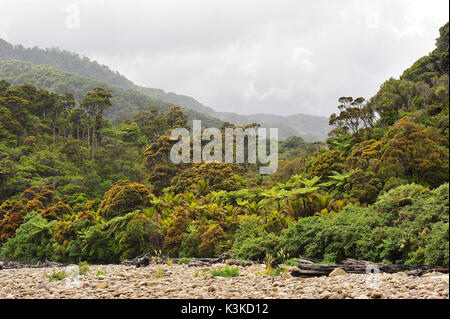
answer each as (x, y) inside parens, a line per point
(309, 127)
(125, 102)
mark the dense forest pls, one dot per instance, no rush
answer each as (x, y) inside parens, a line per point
(61, 71)
(124, 102)
(85, 175)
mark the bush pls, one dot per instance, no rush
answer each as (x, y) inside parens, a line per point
(33, 241)
(55, 276)
(227, 271)
(124, 198)
(212, 239)
(184, 260)
(409, 224)
(252, 242)
(189, 245)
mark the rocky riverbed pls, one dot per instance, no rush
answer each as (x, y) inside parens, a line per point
(183, 281)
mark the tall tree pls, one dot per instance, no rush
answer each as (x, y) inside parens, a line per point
(60, 104)
(95, 103)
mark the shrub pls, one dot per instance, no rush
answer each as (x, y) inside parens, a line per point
(83, 266)
(33, 241)
(227, 271)
(176, 232)
(252, 242)
(189, 245)
(124, 197)
(184, 260)
(409, 224)
(55, 276)
(212, 239)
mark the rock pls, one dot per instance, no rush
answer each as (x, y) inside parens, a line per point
(338, 272)
(102, 285)
(29, 292)
(430, 274)
(122, 281)
(326, 294)
(42, 285)
(376, 295)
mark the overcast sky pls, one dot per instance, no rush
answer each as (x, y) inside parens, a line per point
(246, 56)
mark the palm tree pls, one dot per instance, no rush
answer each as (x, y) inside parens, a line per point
(202, 187)
(338, 180)
(294, 208)
(273, 196)
(324, 204)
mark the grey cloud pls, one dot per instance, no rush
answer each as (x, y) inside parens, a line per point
(277, 56)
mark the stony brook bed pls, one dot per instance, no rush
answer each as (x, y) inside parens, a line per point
(183, 281)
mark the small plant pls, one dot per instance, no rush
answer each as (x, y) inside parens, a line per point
(293, 262)
(282, 256)
(227, 271)
(169, 262)
(159, 273)
(158, 256)
(83, 268)
(200, 272)
(270, 261)
(329, 259)
(184, 260)
(55, 276)
(100, 273)
(277, 271)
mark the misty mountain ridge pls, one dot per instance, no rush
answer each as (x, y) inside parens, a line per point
(309, 127)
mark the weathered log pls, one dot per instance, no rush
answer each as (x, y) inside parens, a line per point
(141, 261)
(145, 260)
(352, 266)
(40, 264)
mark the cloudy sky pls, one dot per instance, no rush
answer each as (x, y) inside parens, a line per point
(246, 56)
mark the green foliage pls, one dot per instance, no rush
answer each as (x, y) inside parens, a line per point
(184, 260)
(274, 272)
(227, 271)
(75, 187)
(83, 267)
(33, 241)
(56, 276)
(123, 198)
(325, 163)
(220, 176)
(100, 273)
(252, 242)
(189, 245)
(400, 224)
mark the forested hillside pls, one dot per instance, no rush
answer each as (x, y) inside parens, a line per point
(74, 187)
(125, 102)
(311, 128)
(83, 66)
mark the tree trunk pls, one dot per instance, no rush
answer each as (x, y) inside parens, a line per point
(89, 140)
(93, 140)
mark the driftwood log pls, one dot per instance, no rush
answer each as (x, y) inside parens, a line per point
(145, 260)
(353, 266)
(19, 265)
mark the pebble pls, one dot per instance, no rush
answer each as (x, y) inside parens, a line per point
(180, 281)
